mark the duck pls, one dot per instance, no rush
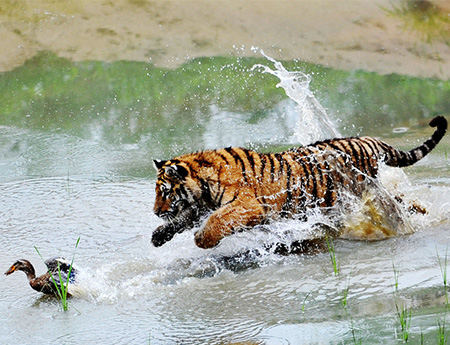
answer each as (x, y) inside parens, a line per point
(46, 282)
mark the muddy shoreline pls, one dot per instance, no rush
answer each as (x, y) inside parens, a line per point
(347, 35)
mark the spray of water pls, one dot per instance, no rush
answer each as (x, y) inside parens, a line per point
(376, 212)
(313, 122)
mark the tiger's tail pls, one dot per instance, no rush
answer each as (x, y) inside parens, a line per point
(398, 158)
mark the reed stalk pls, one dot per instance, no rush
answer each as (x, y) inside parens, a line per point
(333, 257)
(62, 288)
(404, 317)
(443, 267)
(441, 335)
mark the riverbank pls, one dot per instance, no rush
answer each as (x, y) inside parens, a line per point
(349, 35)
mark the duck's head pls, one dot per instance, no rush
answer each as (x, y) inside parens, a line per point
(21, 265)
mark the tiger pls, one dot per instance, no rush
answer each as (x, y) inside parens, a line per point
(228, 190)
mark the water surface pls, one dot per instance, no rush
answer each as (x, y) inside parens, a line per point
(76, 162)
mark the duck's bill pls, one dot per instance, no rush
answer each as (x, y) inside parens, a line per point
(11, 270)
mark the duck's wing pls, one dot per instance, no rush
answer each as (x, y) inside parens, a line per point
(64, 267)
(44, 284)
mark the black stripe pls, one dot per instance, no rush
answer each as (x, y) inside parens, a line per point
(288, 202)
(234, 198)
(219, 201)
(181, 192)
(304, 182)
(337, 147)
(404, 159)
(227, 162)
(307, 151)
(280, 159)
(262, 158)
(354, 155)
(313, 179)
(206, 192)
(330, 186)
(319, 178)
(364, 156)
(372, 144)
(385, 148)
(203, 162)
(272, 168)
(191, 171)
(302, 163)
(239, 160)
(250, 160)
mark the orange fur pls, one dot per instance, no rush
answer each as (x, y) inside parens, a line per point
(240, 188)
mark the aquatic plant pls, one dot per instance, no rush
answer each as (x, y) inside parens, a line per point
(304, 301)
(403, 313)
(404, 318)
(443, 267)
(355, 341)
(442, 336)
(333, 257)
(63, 287)
(345, 293)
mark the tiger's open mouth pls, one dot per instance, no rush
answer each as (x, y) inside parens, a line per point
(176, 210)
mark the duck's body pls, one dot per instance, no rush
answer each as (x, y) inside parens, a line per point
(46, 282)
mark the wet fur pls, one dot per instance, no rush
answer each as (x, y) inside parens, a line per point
(239, 188)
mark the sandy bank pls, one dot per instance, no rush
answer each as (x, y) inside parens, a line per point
(342, 34)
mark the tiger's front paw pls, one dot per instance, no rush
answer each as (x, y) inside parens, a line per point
(163, 234)
(206, 240)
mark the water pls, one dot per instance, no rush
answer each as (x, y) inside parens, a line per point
(58, 184)
(313, 122)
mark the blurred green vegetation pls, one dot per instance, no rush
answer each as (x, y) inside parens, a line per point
(423, 17)
(128, 100)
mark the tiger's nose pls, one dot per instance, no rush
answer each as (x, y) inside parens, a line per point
(157, 211)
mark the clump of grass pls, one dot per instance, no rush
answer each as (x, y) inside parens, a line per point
(404, 317)
(333, 257)
(63, 287)
(441, 335)
(304, 301)
(403, 312)
(443, 266)
(345, 293)
(423, 17)
(355, 341)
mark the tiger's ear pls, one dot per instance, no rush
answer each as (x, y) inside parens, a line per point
(158, 164)
(176, 171)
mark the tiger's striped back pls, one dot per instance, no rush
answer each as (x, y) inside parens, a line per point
(243, 187)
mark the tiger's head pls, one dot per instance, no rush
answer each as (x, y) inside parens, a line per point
(176, 191)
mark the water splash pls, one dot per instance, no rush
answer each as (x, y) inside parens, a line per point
(313, 122)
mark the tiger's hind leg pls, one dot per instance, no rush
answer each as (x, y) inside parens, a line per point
(229, 219)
